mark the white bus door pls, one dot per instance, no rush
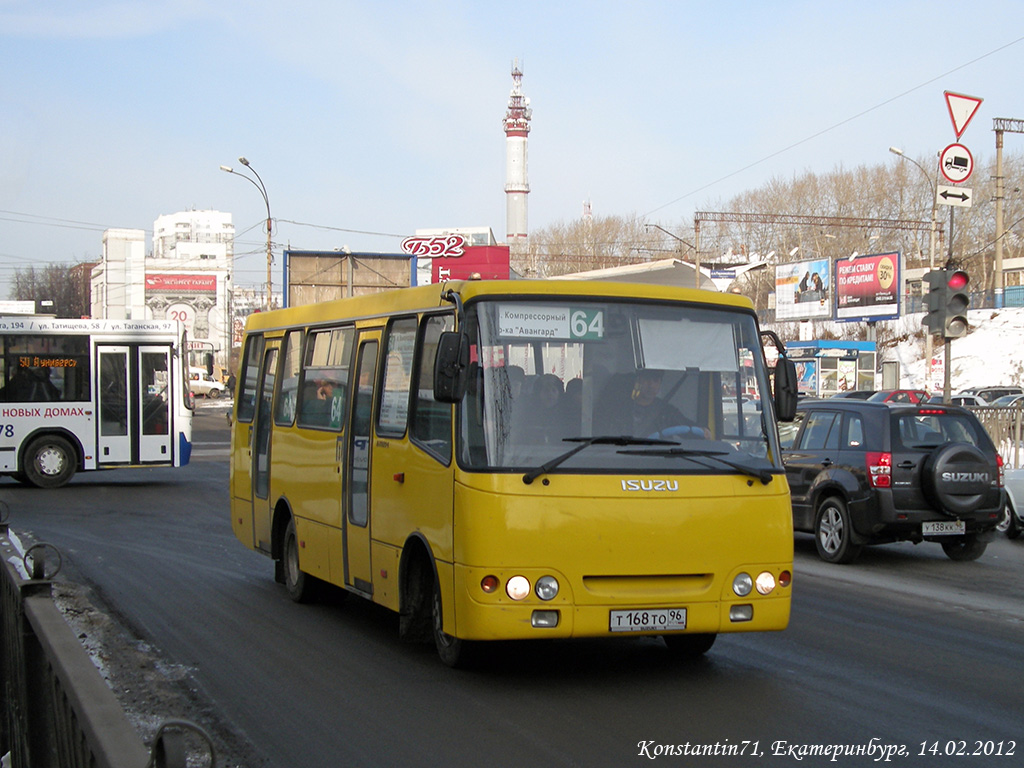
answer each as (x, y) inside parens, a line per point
(134, 404)
(114, 444)
(154, 421)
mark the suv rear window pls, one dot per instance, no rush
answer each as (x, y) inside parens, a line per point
(920, 430)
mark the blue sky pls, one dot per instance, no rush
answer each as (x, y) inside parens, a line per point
(368, 120)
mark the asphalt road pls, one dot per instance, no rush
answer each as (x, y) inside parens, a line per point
(902, 649)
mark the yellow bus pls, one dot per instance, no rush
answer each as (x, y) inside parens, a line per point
(501, 460)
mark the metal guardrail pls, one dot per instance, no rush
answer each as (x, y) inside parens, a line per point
(56, 711)
(1004, 426)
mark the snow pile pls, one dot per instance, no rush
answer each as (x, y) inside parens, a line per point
(990, 355)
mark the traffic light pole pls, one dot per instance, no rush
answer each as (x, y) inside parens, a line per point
(948, 349)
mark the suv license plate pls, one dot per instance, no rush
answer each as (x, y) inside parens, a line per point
(647, 620)
(944, 528)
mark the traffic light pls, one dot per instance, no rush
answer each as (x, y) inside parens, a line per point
(935, 300)
(957, 301)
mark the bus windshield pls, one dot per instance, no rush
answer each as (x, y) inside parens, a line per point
(682, 389)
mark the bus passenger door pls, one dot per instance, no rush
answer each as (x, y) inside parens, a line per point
(260, 436)
(155, 414)
(114, 443)
(359, 449)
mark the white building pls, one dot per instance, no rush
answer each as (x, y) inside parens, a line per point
(187, 277)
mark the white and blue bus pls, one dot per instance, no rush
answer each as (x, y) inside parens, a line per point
(79, 395)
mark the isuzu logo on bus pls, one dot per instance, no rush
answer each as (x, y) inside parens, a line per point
(650, 485)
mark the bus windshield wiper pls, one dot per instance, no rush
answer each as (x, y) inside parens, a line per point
(584, 442)
(764, 475)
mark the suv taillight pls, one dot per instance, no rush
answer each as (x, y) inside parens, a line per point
(879, 469)
(999, 464)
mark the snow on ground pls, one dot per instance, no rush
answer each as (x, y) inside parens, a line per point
(991, 354)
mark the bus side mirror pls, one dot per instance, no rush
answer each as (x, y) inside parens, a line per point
(785, 389)
(451, 366)
(208, 360)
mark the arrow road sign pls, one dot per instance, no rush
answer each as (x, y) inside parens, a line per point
(959, 196)
(961, 110)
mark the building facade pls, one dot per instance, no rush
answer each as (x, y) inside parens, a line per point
(186, 277)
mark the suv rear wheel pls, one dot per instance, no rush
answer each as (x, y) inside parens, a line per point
(832, 532)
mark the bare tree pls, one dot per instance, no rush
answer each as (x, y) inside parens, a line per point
(589, 243)
(54, 282)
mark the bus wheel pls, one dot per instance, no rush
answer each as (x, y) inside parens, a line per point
(300, 586)
(49, 462)
(690, 645)
(453, 651)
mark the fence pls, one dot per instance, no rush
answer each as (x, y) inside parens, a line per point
(56, 710)
(1004, 426)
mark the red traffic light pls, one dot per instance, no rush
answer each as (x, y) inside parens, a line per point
(957, 280)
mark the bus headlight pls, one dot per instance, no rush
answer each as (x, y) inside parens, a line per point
(547, 587)
(765, 583)
(518, 587)
(742, 584)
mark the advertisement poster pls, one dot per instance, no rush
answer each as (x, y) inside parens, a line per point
(868, 287)
(807, 377)
(802, 290)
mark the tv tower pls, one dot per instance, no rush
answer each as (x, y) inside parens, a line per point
(517, 129)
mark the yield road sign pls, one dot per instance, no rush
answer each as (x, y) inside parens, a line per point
(961, 110)
(959, 196)
(956, 163)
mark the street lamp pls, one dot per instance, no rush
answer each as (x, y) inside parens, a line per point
(931, 252)
(258, 183)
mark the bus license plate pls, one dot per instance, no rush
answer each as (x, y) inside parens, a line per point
(647, 620)
(943, 528)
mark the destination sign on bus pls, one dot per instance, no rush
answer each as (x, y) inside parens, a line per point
(533, 321)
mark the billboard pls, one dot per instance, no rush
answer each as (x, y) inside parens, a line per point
(314, 276)
(802, 290)
(868, 287)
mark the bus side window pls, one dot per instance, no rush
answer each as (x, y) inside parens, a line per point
(288, 385)
(249, 376)
(323, 385)
(394, 401)
(431, 420)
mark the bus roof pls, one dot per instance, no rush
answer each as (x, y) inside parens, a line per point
(427, 296)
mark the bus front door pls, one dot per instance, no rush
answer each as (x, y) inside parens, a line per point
(359, 451)
(134, 403)
(114, 440)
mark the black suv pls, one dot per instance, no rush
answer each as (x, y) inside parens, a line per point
(871, 473)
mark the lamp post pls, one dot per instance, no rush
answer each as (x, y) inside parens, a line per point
(931, 253)
(696, 277)
(258, 183)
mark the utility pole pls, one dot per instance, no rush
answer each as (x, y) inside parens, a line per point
(1001, 125)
